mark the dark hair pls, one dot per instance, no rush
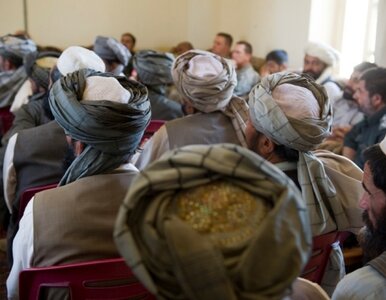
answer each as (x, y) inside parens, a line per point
(278, 56)
(375, 82)
(247, 46)
(286, 153)
(364, 66)
(131, 36)
(376, 160)
(228, 38)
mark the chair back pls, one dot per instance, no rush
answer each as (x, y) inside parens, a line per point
(153, 126)
(99, 279)
(27, 195)
(321, 249)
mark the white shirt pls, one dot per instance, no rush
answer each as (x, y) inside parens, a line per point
(23, 245)
(9, 173)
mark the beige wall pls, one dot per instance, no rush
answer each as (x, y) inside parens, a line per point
(161, 24)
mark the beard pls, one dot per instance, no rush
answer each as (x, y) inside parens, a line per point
(69, 157)
(373, 239)
(348, 94)
(313, 75)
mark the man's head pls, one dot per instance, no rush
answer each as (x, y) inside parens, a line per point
(370, 91)
(242, 54)
(288, 113)
(222, 44)
(153, 68)
(373, 201)
(276, 61)
(13, 49)
(216, 208)
(349, 89)
(105, 114)
(128, 40)
(182, 47)
(318, 57)
(115, 55)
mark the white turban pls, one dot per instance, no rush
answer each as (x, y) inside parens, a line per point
(383, 145)
(324, 52)
(75, 58)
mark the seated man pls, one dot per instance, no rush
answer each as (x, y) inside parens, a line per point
(319, 60)
(206, 82)
(222, 44)
(247, 77)
(154, 69)
(371, 97)
(104, 118)
(215, 222)
(290, 115)
(275, 61)
(128, 40)
(369, 282)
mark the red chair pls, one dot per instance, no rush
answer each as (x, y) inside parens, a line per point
(321, 249)
(100, 279)
(27, 195)
(153, 126)
(6, 119)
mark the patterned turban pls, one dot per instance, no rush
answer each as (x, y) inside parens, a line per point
(214, 222)
(111, 49)
(207, 81)
(294, 111)
(16, 46)
(108, 114)
(153, 67)
(38, 66)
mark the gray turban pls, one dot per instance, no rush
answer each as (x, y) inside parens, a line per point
(153, 67)
(111, 130)
(251, 242)
(38, 66)
(16, 46)
(294, 111)
(207, 81)
(111, 49)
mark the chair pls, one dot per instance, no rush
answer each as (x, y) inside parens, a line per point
(6, 119)
(99, 279)
(153, 126)
(27, 195)
(321, 249)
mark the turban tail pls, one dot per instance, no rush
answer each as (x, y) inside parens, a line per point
(302, 134)
(111, 131)
(173, 260)
(214, 93)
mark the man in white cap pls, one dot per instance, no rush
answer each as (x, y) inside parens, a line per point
(319, 60)
(34, 154)
(290, 115)
(369, 282)
(104, 118)
(206, 82)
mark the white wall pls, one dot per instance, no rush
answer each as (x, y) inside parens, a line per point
(161, 24)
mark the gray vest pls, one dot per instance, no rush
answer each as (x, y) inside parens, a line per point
(201, 128)
(75, 222)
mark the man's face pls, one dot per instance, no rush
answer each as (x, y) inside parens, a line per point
(365, 101)
(220, 47)
(313, 66)
(240, 56)
(128, 42)
(351, 86)
(273, 67)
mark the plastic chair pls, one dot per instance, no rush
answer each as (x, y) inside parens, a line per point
(6, 119)
(321, 249)
(27, 195)
(99, 279)
(153, 126)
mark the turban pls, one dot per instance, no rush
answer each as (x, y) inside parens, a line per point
(75, 58)
(111, 49)
(382, 145)
(153, 67)
(16, 46)
(298, 116)
(207, 81)
(324, 52)
(38, 66)
(108, 116)
(213, 222)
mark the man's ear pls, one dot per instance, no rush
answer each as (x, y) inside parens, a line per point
(376, 101)
(266, 146)
(78, 148)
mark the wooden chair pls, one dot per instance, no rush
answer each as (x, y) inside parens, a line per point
(27, 195)
(99, 279)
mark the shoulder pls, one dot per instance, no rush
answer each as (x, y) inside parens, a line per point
(364, 283)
